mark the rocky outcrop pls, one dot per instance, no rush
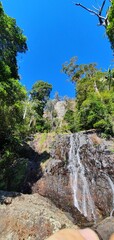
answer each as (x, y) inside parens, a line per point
(29, 217)
(60, 108)
(79, 177)
(33, 217)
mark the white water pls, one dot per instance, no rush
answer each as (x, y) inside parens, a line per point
(112, 188)
(77, 176)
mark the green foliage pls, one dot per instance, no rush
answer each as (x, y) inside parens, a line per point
(12, 97)
(69, 118)
(110, 26)
(110, 79)
(12, 93)
(12, 42)
(76, 72)
(95, 97)
(12, 170)
(94, 114)
(40, 94)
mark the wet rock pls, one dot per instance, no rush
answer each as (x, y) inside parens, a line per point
(30, 217)
(85, 189)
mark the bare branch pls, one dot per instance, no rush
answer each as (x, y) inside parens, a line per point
(102, 20)
(101, 9)
(95, 8)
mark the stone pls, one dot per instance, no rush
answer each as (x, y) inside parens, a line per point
(105, 228)
(30, 217)
(8, 200)
(60, 108)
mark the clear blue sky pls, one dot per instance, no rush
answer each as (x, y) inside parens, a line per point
(57, 31)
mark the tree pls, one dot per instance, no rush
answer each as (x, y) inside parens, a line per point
(94, 104)
(103, 21)
(107, 21)
(40, 93)
(94, 114)
(12, 96)
(12, 93)
(110, 78)
(12, 42)
(82, 75)
(76, 72)
(69, 118)
(110, 26)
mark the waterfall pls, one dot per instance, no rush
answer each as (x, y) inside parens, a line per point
(112, 188)
(111, 184)
(84, 203)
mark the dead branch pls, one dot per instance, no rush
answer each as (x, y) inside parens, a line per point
(102, 20)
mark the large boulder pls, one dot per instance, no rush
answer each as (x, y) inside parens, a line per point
(105, 228)
(79, 176)
(29, 217)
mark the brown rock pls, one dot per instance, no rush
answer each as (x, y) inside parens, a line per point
(8, 200)
(31, 217)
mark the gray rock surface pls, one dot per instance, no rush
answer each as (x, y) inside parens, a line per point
(106, 228)
(60, 108)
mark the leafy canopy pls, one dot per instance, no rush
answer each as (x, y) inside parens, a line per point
(12, 42)
(110, 26)
(40, 93)
(95, 97)
(12, 96)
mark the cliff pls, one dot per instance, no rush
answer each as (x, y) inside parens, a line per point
(79, 176)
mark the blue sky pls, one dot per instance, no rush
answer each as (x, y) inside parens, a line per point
(57, 31)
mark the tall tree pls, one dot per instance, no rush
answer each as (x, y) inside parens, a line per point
(110, 26)
(12, 42)
(94, 104)
(40, 93)
(12, 95)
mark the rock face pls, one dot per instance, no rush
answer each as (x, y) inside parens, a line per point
(79, 177)
(60, 108)
(29, 217)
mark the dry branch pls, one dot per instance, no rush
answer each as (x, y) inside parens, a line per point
(102, 20)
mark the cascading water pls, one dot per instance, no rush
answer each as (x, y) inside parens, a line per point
(111, 185)
(81, 193)
(112, 188)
